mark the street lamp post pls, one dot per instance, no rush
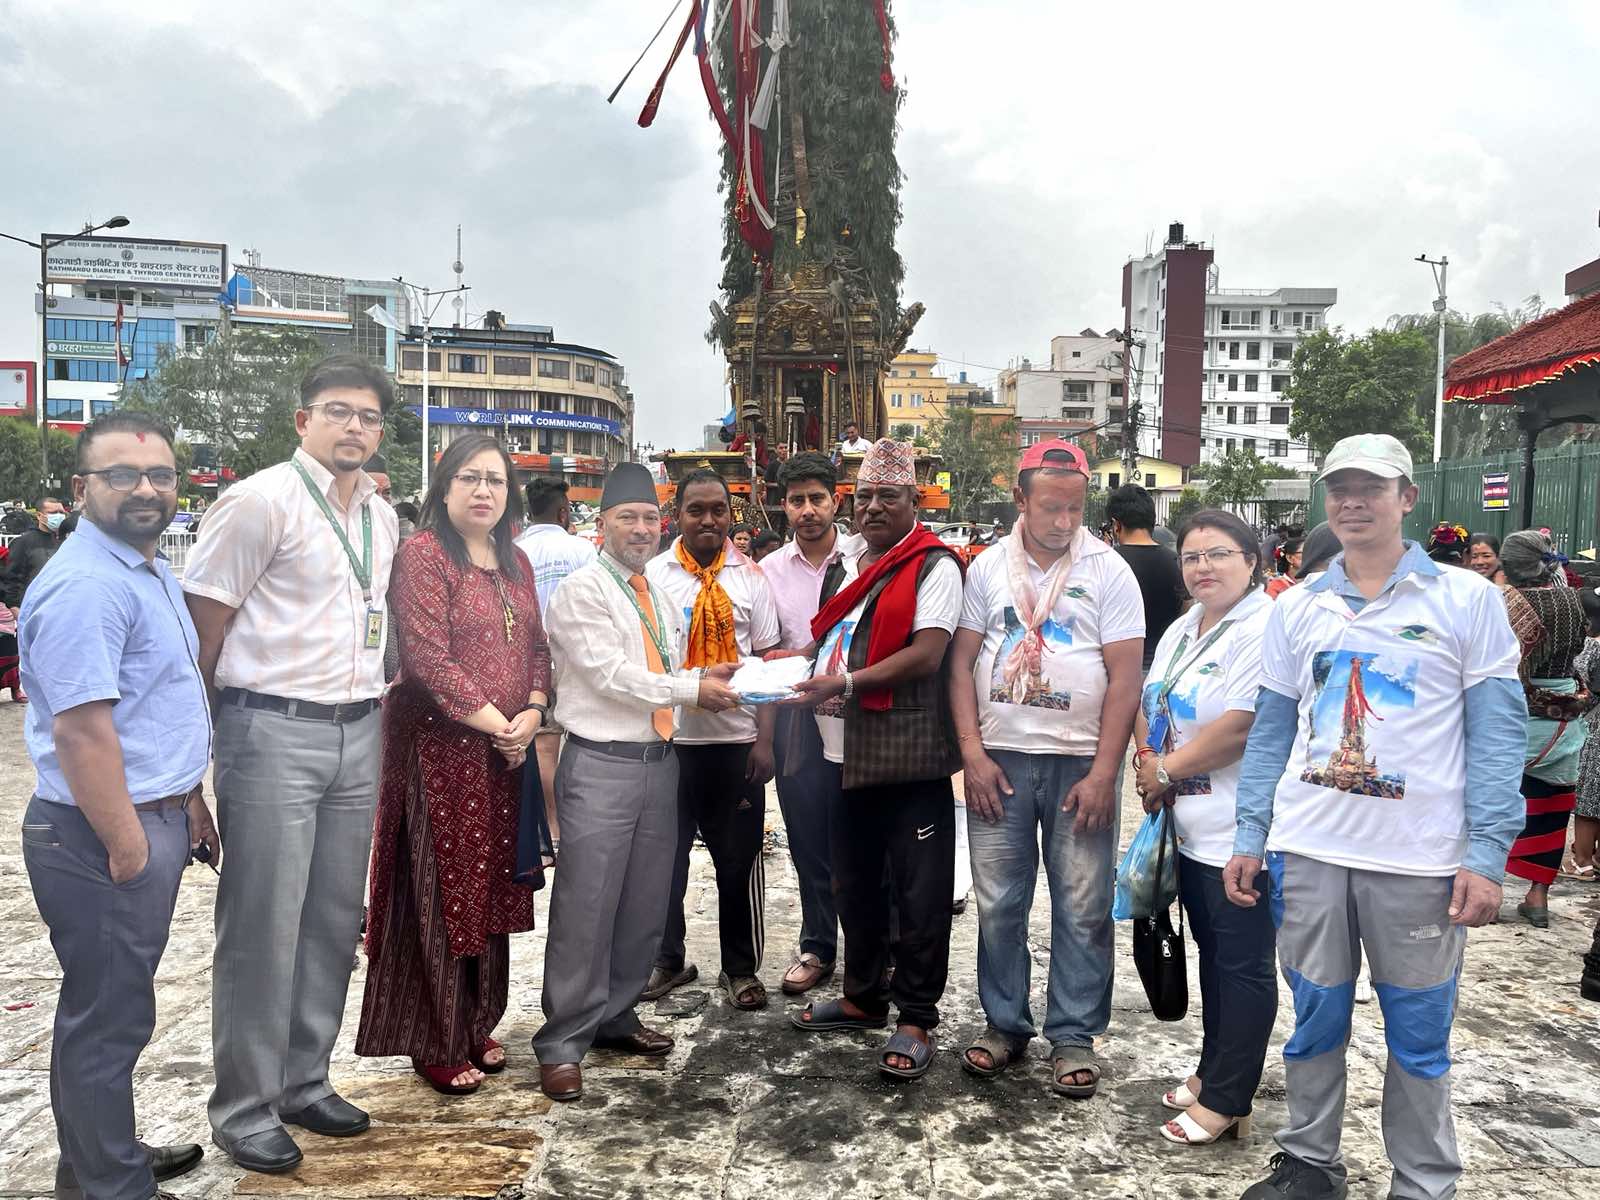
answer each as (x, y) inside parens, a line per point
(43, 246)
(430, 301)
(1441, 268)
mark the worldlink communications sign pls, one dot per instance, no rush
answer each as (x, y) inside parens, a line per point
(519, 419)
(137, 260)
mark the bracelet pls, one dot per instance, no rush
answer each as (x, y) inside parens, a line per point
(849, 685)
(542, 709)
(1139, 755)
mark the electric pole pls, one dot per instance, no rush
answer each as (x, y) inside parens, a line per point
(1441, 268)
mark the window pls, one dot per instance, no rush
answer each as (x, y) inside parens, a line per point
(582, 406)
(63, 410)
(1279, 448)
(1075, 391)
(896, 401)
(585, 372)
(1077, 414)
(1114, 480)
(1116, 389)
(1149, 480)
(1229, 445)
(411, 360)
(1278, 414)
(196, 336)
(1283, 351)
(912, 372)
(1249, 414)
(467, 397)
(99, 408)
(605, 376)
(1241, 318)
(1250, 445)
(554, 368)
(1250, 382)
(1233, 414)
(513, 364)
(1252, 351)
(1077, 354)
(916, 399)
(1233, 383)
(1115, 415)
(469, 364)
(1280, 383)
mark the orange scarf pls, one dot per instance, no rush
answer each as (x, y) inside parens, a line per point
(711, 639)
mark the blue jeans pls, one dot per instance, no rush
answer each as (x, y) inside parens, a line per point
(1079, 868)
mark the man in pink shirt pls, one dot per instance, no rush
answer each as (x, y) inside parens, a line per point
(795, 573)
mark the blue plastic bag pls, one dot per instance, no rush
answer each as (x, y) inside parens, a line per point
(1147, 879)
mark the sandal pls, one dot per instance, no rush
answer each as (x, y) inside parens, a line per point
(1179, 1098)
(745, 992)
(1538, 917)
(442, 1079)
(831, 1015)
(1186, 1131)
(1002, 1050)
(806, 972)
(664, 979)
(918, 1051)
(481, 1051)
(1068, 1061)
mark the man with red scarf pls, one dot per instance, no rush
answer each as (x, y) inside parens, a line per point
(879, 687)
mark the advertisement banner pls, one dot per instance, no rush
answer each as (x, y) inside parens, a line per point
(519, 419)
(1496, 491)
(137, 260)
(16, 387)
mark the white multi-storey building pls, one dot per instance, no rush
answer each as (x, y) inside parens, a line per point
(1081, 390)
(1250, 339)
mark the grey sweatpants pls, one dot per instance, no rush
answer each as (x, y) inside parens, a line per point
(295, 799)
(619, 832)
(1326, 917)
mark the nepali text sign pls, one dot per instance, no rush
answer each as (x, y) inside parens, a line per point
(81, 349)
(519, 419)
(137, 260)
(1496, 491)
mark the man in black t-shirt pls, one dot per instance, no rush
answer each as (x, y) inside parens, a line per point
(1132, 514)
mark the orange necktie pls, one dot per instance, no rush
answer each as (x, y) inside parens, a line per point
(661, 718)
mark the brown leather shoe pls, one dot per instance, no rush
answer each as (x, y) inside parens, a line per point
(647, 1042)
(806, 973)
(561, 1081)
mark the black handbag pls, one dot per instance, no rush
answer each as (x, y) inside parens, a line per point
(1158, 950)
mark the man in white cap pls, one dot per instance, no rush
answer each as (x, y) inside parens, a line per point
(617, 645)
(1380, 784)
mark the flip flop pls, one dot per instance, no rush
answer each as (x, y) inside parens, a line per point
(1002, 1052)
(919, 1052)
(830, 1016)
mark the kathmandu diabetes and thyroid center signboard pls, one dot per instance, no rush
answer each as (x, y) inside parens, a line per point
(137, 260)
(519, 419)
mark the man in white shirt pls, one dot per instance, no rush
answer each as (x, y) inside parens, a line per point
(616, 642)
(852, 442)
(554, 554)
(1384, 761)
(286, 585)
(724, 759)
(1044, 685)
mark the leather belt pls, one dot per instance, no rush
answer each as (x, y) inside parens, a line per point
(638, 751)
(164, 804)
(339, 714)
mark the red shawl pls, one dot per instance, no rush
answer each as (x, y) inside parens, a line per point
(896, 608)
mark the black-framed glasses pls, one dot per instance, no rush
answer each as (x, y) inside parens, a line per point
(126, 479)
(340, 414)
(472, 479)
(1216, 556)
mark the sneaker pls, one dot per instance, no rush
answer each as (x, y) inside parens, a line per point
(1292, 1179)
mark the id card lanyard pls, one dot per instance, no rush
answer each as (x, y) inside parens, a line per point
(1161, 725)
(361, 567)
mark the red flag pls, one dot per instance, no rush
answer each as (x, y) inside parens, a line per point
(116, 336)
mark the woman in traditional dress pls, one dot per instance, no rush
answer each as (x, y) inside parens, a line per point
(1586, 824)
(473, 690)
(1551, 626)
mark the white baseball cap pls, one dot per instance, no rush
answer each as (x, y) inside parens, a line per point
(1375, 453)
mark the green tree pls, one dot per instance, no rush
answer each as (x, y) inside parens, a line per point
(20, 474)
(237, 394)
(1237, 478)
(1381, 380)
(402, 450)
(1189, 501)
(973, 448)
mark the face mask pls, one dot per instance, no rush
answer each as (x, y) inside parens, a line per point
(54, 520)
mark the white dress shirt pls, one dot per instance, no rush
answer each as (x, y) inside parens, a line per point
(605, 689)
(266, 549)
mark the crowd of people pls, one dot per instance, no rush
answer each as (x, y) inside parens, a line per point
(553, 714)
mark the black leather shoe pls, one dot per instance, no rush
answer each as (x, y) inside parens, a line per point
(331, 1117)
(1292, 1179)
(270, 1152)
(168, 1162)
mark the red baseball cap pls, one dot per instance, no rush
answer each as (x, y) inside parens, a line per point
(1035, 456)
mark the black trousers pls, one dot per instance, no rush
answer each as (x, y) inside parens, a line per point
(908, 830)
(1238, 986)
(730, 813)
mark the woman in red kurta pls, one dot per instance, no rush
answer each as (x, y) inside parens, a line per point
(474, 683)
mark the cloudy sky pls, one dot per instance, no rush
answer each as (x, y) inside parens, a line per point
(1044, 142)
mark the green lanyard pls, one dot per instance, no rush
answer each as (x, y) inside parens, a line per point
(657, 635)
(363, 566)
(1174, 672)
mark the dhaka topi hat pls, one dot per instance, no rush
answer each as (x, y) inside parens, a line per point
(890, 462)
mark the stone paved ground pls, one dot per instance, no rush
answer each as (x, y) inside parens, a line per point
(744, 1107)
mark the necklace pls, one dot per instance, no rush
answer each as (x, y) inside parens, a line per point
(505, 605)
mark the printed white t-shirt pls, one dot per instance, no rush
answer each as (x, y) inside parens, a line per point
(1377, 775)
(755, 627)
(938, 607)
(1213, 678)
(1099, 604)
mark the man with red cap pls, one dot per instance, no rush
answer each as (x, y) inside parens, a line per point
(1044, 683)
(879, 687)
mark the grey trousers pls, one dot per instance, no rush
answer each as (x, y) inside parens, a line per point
(109, 939)
(619, 832)
(1327, 916)
(295, 804)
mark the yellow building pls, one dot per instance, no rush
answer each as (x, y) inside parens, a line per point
(1154, 474)
(914, 395)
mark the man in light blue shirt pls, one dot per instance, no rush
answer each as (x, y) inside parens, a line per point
(1380, 783)
(120, 734)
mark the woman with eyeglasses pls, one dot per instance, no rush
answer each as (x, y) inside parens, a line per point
(473, 690)
(1199, 700)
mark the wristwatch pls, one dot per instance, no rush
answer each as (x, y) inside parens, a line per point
(542, 709)
(1162, 777)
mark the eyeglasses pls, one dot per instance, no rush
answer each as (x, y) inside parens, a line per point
(126, 479)
(471, 479)
(1216, 556)
(340, 414)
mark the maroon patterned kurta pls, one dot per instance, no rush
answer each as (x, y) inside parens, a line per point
(444, 848)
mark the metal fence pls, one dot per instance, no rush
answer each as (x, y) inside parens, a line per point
(1566, 488)
(174, 545)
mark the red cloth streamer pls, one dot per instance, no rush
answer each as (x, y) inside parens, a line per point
(897, 605)
(708, 81)
(885, 76)
(648, 113)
